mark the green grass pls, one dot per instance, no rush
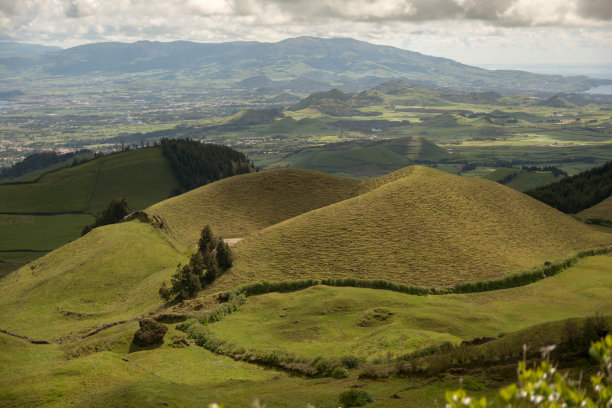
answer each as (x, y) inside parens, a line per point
(600, 210)
(331, 321)
(142, 176)
(419, 227)
(112, 273)
(40, 232)
(239, 206)
(45, 376)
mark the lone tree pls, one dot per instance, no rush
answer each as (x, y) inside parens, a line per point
(224, 255)
(116, 210)
(150, 332)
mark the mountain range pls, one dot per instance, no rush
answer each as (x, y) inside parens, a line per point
(316, 63)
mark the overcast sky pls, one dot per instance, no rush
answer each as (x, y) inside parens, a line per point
(471, 31)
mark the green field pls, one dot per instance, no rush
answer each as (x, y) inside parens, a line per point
(69, 197)
(332, 321)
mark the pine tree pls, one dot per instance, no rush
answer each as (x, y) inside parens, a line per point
(223, 255)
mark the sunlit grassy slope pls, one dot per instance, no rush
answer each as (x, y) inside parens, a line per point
(141, 176)
(51, 376)
(428, 228)
(112, 273)
(332, 321)
(238, 206)
(600, 210)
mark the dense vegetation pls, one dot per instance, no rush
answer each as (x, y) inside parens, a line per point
(116, 210)
(579, 192)
(38, 161)
(196, 164)
(212, 258)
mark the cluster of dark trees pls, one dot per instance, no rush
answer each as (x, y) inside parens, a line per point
(212, 259)
(579, 192)
(196, 164)
(38, 161)
(555, 170)
(116, 210)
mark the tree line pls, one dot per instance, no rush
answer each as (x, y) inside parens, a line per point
(195, 164)
(579, 192)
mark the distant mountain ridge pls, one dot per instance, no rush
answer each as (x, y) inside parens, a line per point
(355, 64)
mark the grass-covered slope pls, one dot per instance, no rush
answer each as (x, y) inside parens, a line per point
(359, 159)
(428, 228)
(142, 176)
(331, 321)
(600, 210)
(238, 206)
(112, 273)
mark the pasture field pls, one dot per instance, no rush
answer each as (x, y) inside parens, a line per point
(52, 210)
(334, 321)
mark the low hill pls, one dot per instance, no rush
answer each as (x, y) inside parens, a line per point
(110, 274)
(601, 210)
(337, 103)
(238, 206)
(427, 228)
(367, 159)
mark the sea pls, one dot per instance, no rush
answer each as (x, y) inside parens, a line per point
(599, 71)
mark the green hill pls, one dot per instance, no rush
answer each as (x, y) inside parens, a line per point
(239, 206)
(110, 274)
(601, 210)
(52, 210)
(366, 159)
(338, 103)
(428, 228)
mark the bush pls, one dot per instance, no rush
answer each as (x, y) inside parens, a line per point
(355, 398)
(350, 362)
(339, 372)
(116, 210)
(150, 332)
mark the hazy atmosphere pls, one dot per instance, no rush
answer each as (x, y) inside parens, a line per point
(513, 32)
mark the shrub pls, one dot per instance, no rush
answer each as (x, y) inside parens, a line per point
(350, 362)
(150, 332)
(339, 372)
(355, 398)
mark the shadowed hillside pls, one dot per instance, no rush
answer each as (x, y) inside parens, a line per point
(240, 205)
(428, 229)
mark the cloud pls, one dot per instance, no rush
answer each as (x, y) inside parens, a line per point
(438, 27)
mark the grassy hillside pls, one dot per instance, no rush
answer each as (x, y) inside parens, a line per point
(110, 274)
(330, 321)
(238, 206)
(142, 176)
(601, 210)
(359, 159)
(429, 229)
(522, 180)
